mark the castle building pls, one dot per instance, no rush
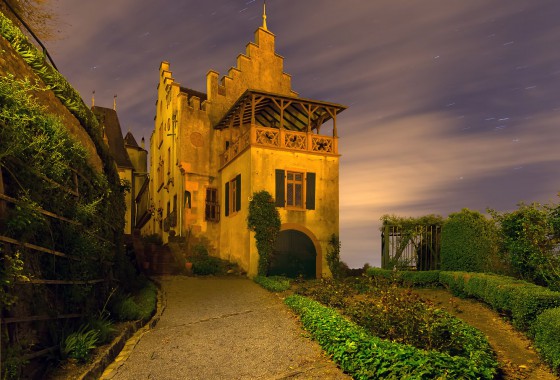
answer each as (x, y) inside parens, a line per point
(210, 152)
(131, 161)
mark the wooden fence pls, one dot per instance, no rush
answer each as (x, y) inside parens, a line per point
(42, 301)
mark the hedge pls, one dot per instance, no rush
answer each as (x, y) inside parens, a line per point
(273, 283)
(468, 242)
(411, 278)
(364, 356)
(546, 333)
(521, 300)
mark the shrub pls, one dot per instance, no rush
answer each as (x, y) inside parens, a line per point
(204, 264)
(264, 221)
(79, 344)
(365, 357)
(530, 237)
(468, 242)
(333, 256)
(546, 332)
(104, 327)
(328, 292)
(409, 278)
(140, 306)
(273, 283)
(520, 300)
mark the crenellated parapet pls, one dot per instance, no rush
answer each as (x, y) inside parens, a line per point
(260, 68)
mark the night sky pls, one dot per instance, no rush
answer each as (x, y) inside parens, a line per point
(451, 104)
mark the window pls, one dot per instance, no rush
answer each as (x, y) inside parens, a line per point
(160, 134)
(295, 190)
(168, 161)
(212, 211)
(160, 175)
(233, 196)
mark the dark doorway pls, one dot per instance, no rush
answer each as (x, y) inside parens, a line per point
(294, 255)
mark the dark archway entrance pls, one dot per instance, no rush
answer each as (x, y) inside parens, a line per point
(294, 255)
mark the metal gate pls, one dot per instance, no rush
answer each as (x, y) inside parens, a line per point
(417, 248)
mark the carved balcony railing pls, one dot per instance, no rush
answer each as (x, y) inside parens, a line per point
(280, 139)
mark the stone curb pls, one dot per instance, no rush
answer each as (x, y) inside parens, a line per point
(121, 347)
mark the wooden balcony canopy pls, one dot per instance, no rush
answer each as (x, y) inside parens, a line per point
(279, 111)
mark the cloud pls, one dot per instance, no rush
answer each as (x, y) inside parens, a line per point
(451, 104)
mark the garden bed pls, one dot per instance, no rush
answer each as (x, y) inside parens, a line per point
(381, 330)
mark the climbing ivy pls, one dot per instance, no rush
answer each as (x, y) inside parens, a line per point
(264, 221)
(39, 159)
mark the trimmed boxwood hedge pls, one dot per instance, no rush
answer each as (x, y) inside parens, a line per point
(364, 356)
(546, 333)
(411, 278)
(521, 300)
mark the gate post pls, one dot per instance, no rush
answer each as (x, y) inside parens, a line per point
(385, 244)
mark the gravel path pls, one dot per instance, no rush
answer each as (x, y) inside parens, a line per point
(223, 328)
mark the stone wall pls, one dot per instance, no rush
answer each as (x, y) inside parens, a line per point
(11, 63)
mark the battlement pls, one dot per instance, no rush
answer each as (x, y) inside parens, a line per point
(260, 68)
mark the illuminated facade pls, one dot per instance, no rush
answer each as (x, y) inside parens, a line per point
(209, 152)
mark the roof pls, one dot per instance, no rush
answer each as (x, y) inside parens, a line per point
(110, 122)
(272, 110)
(129, 140)
(190, 92)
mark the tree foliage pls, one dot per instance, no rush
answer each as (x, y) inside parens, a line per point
(530, 241)
(333, 256)
(264, 221)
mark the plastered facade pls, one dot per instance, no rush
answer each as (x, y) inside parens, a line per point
(191, 152)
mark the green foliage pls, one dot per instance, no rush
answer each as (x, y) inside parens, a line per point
(410, 223)
(520, 300)
(530, 237)
(273, 283)
(468, 242)
(333, 256)
(104, 328)
(11, 270)
(399, 315)
(264, 221)
(13, 363)
(546, 332)
(409, 278)
(140, 306)
(203, 264)
(415, 231)
(79, 344)
(363, 356)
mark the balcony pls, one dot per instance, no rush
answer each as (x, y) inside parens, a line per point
(280, 139)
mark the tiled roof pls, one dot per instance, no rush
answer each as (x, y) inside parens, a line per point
(110, 121)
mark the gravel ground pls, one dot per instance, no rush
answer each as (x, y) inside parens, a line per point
(223, 328)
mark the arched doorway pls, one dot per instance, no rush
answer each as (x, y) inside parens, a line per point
(294, 255)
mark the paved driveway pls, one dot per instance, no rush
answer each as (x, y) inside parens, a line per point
(224, 328)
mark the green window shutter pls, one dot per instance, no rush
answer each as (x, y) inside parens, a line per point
(280, 188)
(310, 191)
(227, 199)
(238, 194)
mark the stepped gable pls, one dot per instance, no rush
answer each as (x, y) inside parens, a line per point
(109, 120)
(259, 69)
